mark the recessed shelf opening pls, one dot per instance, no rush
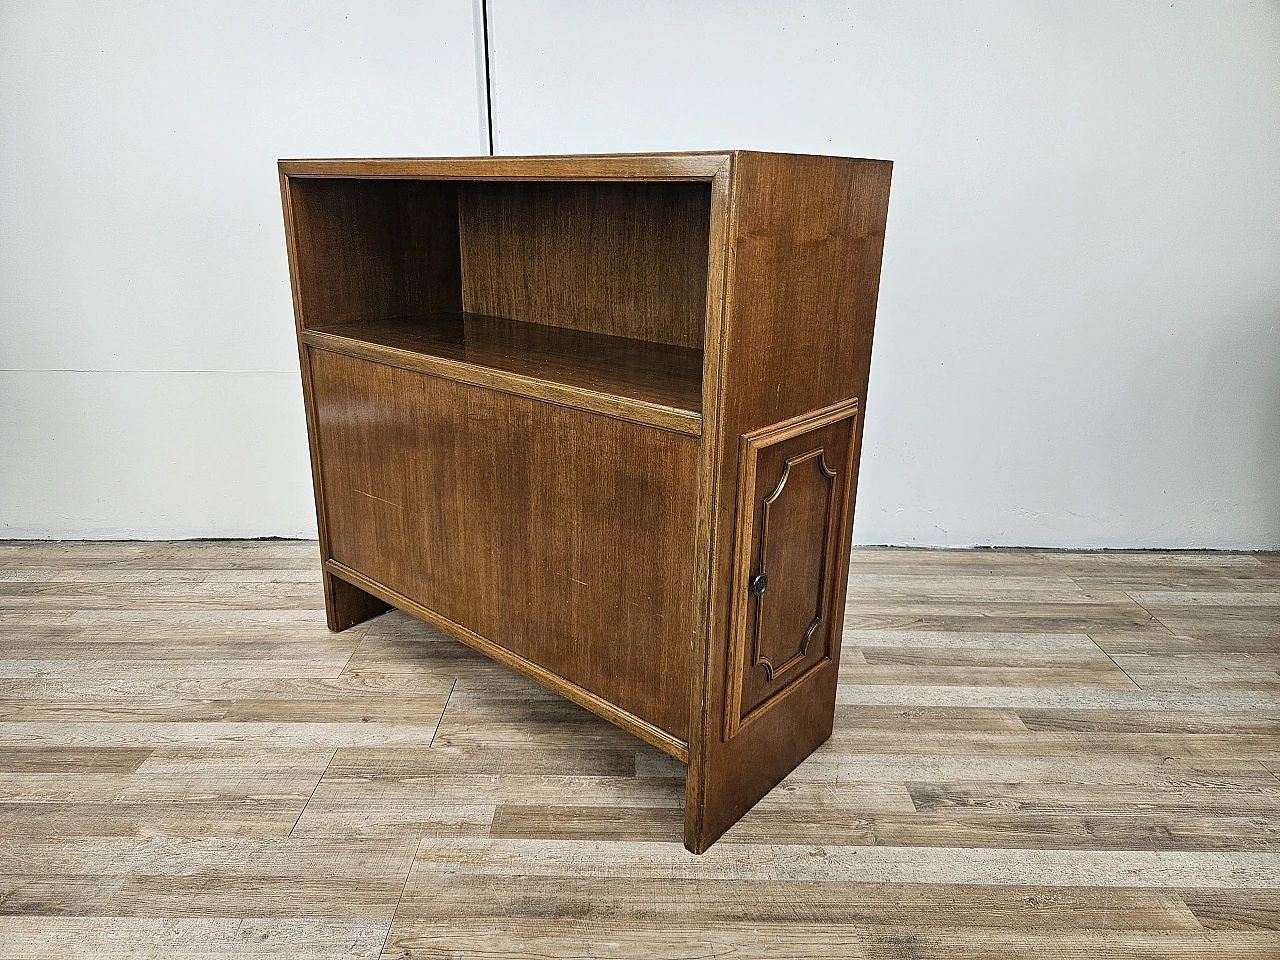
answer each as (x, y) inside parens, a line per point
(590, 293)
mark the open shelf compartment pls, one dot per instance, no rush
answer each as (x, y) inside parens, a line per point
(590, 294)
(653, 383)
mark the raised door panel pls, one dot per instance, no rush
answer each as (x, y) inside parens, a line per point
(795, 527)
(791, 524)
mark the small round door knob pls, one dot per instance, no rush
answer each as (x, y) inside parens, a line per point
(758, 584)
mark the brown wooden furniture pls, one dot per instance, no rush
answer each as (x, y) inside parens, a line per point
(599, 417)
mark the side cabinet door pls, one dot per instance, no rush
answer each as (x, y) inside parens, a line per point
(792, 521)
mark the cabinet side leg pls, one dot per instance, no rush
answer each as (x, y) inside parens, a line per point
(729, 778)
(754, 722)
(345, 605)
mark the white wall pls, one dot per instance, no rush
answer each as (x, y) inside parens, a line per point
(1079, 334)
(149, 383)
(1078, 340)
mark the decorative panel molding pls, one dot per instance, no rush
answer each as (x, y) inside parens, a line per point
(790, 523)
(810, 469)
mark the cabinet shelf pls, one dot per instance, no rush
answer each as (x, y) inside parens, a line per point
(651, 383)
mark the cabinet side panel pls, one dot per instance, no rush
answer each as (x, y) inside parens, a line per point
(626, 259)
(344, 604)
(372, 249)
(803, 276)
(563, 536)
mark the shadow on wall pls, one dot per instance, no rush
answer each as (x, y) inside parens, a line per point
(1253, 342)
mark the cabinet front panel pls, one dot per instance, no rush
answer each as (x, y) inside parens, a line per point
(563, 536)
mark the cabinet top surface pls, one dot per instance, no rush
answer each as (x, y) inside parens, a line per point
(603, 166)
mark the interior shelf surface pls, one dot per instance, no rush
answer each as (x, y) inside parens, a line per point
(654, 383)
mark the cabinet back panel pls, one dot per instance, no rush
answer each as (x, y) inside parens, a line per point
(373, 249)
(563, 536)
(627, 259)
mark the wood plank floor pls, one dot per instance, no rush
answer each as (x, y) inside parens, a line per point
(1037, 755)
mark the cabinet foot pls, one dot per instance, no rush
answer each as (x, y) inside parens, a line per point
(345, 605)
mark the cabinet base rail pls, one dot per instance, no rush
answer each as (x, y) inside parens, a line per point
(601, 707)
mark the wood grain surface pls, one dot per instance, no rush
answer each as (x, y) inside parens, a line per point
(800, 287)
(1036, 755)
(622, 259)
(630, 379)
(581, 166)
(523, 539)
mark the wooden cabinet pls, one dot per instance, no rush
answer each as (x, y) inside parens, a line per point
(599, 417)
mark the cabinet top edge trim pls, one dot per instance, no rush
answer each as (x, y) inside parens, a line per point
(602, 166)
(581, 167)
